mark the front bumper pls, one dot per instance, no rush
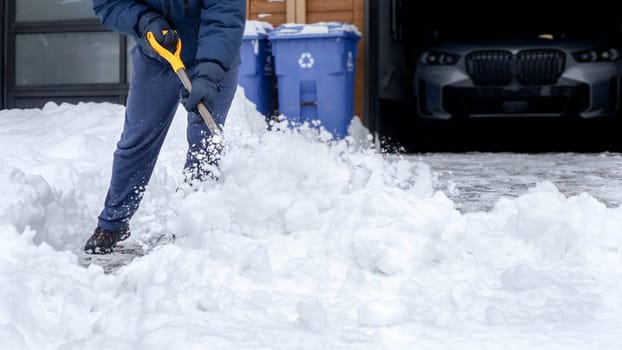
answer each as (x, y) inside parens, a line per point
(584, 90)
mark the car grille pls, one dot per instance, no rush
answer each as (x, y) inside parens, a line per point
(528, 67)
(537, 67)
(490, 68)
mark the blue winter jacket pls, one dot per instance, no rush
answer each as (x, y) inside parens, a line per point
(210, 30)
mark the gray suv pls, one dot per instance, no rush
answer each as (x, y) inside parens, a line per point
(541, 74)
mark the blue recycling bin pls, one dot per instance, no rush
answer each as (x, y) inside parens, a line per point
(315, 67)
(257, 67)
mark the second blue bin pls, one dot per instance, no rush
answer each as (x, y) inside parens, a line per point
(257, 68)
(315, 68)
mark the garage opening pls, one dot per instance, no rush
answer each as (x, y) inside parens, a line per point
(475, 76)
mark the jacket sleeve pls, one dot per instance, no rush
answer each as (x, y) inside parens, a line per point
(120, 15)
(221, 31)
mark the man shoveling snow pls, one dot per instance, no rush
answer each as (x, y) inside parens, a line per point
(211, 31)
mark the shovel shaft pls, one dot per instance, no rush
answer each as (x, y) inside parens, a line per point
(174, 59)
(203, 111)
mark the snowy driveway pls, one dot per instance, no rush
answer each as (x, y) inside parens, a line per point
(475, 181)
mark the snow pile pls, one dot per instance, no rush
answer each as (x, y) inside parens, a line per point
(318, 29)
(302, 244)
(255, 28)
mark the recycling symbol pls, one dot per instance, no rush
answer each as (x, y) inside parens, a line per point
(306, 60)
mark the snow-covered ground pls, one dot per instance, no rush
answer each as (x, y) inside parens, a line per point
(476, 181)
(300, 245)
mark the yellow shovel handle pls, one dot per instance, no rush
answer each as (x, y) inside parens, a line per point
(173, 58)
(178, 67)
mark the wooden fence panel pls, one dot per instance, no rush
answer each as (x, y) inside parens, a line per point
(273, 12)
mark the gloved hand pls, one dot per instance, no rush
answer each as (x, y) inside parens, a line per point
(156, 23)
(205, 87)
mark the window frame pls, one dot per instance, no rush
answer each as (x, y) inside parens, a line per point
(21, 96)
(3, 53)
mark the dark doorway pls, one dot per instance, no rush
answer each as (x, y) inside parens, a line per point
(398, 31)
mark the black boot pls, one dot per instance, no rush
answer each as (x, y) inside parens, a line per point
(102, 241)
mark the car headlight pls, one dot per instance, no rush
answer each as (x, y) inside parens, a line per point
(597, 55)
(439, 58)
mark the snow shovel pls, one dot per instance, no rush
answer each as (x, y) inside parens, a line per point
(180, 69)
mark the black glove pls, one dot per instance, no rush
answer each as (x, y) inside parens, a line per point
(155, 23)
(205, 87)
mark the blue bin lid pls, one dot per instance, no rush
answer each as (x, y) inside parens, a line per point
(254, 29)
(314, 30)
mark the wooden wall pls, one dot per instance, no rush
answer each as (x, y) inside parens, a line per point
(277, 12)
(273, 12)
